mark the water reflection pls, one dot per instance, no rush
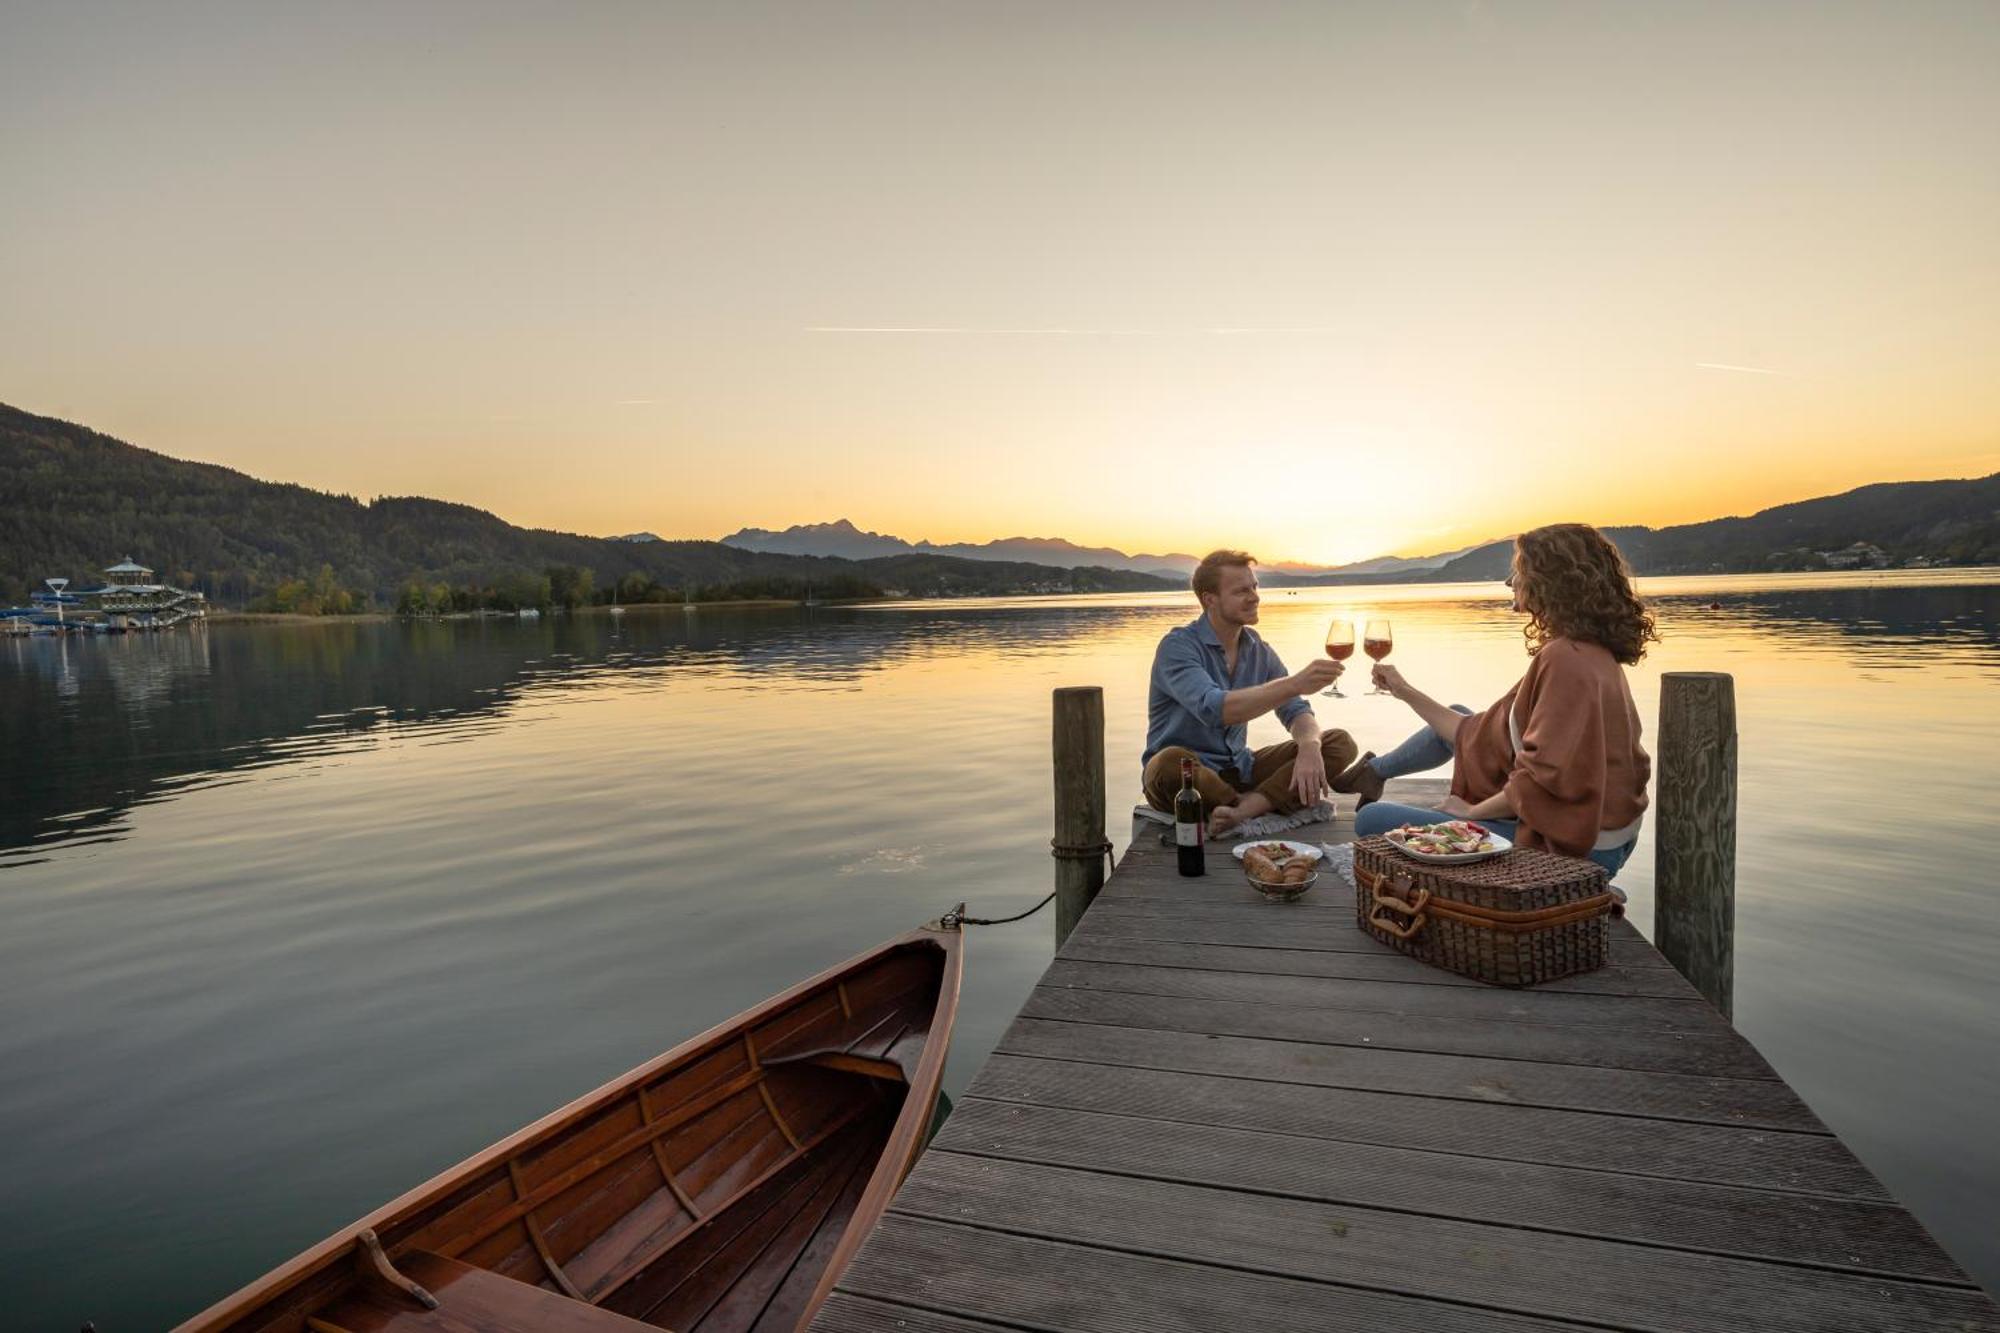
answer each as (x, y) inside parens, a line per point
(1884, 627)
(298, 915)
(90, 728)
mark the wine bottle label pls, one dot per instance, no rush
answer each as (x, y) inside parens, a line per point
(1187, 835)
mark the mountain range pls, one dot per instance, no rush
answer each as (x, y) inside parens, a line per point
(73, 500)
(1894, 523)
(842, 538)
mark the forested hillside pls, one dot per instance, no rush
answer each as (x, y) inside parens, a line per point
(73, 501)
(1939, 522)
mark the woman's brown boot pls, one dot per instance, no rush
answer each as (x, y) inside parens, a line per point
(1360, 780)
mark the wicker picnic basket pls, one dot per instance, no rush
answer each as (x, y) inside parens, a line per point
(1523, 917)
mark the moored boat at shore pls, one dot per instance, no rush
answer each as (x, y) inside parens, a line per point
(722, 1186)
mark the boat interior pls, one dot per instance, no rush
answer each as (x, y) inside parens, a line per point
(705, 1196)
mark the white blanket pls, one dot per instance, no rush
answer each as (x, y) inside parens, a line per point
(1339, 859)
(1263, 826)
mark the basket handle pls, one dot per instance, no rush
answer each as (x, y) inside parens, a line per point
(1388, 902)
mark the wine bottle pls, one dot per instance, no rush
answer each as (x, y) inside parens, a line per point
(1190, 829)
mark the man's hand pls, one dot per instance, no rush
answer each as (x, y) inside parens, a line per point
(1316, 675)
(1309, 773)
(1390, 679)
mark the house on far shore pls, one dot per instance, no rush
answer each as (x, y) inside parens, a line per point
(1861, 555)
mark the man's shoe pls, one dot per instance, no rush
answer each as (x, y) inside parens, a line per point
(1360, 780)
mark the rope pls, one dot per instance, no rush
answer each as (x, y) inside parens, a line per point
(1003, 920)
(1062, 852)
(1088, 851)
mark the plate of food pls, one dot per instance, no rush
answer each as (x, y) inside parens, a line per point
(1278, 849)
(1451, 842)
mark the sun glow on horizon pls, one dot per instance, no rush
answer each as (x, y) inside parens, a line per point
(1327, 284)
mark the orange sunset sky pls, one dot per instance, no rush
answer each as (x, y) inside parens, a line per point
(1322, 280)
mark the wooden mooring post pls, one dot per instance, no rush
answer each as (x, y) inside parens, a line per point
(1079, 846)
(1694, 831)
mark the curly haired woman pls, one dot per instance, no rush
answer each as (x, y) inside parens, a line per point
(1556, 762)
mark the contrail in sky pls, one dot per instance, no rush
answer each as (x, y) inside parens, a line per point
(1125, 333)
(1741, 370)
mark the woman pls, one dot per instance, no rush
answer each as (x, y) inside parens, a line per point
(1556, 762)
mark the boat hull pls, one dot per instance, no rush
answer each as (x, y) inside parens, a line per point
(720, 1187)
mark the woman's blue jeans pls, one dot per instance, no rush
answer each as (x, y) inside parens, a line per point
(1422, 752)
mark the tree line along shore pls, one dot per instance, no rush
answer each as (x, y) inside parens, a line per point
(74, 498)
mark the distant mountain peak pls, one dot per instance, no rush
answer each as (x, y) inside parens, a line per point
(843, 538)
(637, 537)
(838, 538)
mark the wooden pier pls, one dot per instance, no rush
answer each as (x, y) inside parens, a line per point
(1217, 1113)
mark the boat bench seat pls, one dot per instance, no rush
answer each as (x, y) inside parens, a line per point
(470, 1300)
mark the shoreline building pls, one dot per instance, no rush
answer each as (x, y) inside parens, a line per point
(129, 598)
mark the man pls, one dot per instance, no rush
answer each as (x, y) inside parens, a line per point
(1210, 677)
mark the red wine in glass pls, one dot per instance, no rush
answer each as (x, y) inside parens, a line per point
(1377, 641)
(1340, 647)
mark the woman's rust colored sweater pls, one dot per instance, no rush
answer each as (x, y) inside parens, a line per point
(1578, 769)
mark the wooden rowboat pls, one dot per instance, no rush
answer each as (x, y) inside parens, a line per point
(720, 1187)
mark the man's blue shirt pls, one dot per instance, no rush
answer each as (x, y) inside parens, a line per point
(1184, 704)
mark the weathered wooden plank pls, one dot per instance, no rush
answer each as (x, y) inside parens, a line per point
(846, 1313)
(1714, 1053)
(1374, 965)
(1749, 1157)
(1271, 925)
(1521, 1271)
(1528, 1005)
(1038, 1284)
(1845, 1235)
(1637, 1093)
(1111, 918)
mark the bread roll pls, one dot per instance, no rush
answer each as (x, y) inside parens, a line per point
(1260, 867)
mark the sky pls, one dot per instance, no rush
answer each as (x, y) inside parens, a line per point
(1320, 280)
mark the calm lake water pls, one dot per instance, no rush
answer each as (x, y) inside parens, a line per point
(295, 916)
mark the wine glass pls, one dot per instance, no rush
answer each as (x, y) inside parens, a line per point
(1340, 647)
(1376, 640)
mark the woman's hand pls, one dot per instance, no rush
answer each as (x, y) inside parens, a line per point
(1389, 678)
(1496, 806)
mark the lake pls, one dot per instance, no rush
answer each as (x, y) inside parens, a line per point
(298, 915)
